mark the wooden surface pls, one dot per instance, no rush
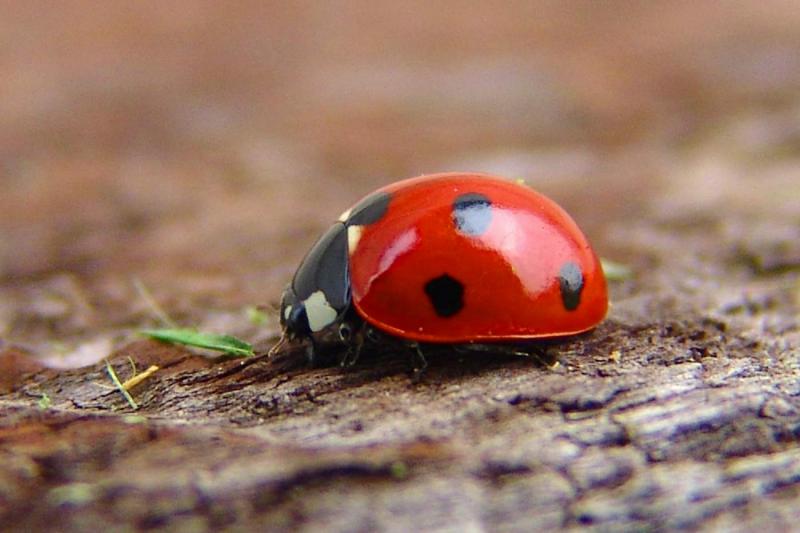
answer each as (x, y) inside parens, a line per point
(196, 151)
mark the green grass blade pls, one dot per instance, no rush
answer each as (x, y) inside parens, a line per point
(615, 271)
(190, 337)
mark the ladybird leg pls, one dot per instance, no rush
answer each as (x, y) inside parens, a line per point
(545, 355)
(354, 352)
(278, 346)
(344, 360)
(346, 336)
(311, 351)
(418, 362)
(355, 342)
(541, 353)
(352, 332)
(371, 334)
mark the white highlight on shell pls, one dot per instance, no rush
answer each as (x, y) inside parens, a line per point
(401, 245)
(319, 312)
(344, 216)
(353, 236)
(287, 312)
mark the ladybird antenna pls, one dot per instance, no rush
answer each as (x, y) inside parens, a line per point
(278, 345)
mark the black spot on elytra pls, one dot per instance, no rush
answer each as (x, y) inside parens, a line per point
(369, 210)
(472, 213)
(446, 295)
(570, 278)
(325, 269)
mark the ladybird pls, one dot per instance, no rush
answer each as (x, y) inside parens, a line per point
(455, 258)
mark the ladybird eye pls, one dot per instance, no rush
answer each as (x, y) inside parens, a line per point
(344, 332)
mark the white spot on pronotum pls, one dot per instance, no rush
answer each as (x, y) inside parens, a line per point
(344, 216)
(353, 236)
(319, 311)
(287, 312)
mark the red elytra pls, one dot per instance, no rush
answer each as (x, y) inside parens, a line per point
(470, 257)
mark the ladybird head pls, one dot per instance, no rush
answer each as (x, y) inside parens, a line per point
(294, 318)
(319, 294)
(318, 298)
(303, 318)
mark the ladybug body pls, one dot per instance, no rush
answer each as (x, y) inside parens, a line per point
(449, 258)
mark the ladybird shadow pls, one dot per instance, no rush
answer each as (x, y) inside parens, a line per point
(423, 364)
(446, 363)
(439, 363)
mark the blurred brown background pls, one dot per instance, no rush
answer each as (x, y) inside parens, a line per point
(201, 146)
